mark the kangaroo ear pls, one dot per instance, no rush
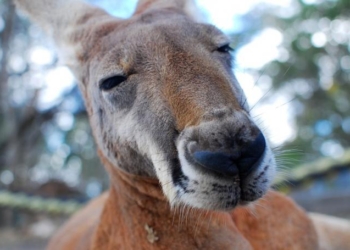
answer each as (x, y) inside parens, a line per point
(186, 6)
(72, 24)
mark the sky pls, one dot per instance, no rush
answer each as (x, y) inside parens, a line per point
(275, 116)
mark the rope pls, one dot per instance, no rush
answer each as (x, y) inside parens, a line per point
(38, 204)
(305, 174)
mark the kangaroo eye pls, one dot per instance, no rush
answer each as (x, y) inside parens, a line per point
(225, 48)
(112, 82)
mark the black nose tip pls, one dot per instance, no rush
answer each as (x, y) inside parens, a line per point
(244, 160)
(216, 161)
(251, 155)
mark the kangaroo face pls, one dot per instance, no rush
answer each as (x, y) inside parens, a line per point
(162, 99)
(164, 103)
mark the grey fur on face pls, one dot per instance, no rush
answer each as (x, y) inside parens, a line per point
(143, 120)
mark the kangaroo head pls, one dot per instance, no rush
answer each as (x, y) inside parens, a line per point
(162, 99)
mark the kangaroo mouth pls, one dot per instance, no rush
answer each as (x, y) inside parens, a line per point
(220, 180)
(216, 191)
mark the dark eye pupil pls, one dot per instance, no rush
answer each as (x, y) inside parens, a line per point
(112, 82)
(225, 48)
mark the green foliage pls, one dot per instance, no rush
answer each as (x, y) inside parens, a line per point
(316, 74)
(34, 145)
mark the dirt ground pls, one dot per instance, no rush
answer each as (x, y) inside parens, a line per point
(30, 236)
(13, 240)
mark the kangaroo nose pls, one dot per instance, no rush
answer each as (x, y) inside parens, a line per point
(216, 161)
(251, 155)
(243, 162)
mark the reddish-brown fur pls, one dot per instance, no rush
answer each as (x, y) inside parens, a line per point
(183, 83)
(117, 220)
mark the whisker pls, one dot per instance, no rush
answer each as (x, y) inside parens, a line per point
(261, 98)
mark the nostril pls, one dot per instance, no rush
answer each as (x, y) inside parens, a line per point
(251, 155)
(241, 160)
(216, 161)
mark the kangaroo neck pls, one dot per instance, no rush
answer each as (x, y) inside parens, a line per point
(137, 215)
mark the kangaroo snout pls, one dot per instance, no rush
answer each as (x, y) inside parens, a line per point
(225, 160)
(228, 145)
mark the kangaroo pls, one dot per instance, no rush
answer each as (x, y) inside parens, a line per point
(174, 131)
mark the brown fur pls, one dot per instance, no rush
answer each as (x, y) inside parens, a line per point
(134, 202)
(179, 90)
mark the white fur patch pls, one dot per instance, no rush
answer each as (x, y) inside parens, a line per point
(163, 172)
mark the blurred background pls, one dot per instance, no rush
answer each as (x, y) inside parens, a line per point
(292, 60)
